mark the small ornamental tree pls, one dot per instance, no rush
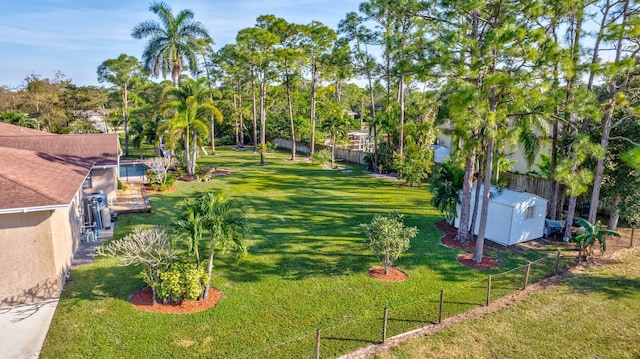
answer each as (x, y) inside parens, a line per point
(388, 237)
(149, 247)
(160, 178)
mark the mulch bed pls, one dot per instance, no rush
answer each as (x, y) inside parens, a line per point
(448, 240)
(142, 300)
(148, 189)
(487, 262)
(394, 274)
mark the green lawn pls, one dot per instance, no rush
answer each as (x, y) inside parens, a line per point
(306, 269)
(595, 314)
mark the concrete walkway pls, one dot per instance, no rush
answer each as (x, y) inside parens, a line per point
(23, 328)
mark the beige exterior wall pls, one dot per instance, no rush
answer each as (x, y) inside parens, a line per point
(105, 180)
(36, 249)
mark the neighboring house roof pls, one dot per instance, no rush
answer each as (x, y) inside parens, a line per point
(39, 169)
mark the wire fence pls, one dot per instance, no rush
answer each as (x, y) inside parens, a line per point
(375, 327)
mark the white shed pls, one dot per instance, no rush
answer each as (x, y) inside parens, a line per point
(513, 216)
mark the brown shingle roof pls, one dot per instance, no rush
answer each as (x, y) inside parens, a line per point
(41, 169)
(12, 130)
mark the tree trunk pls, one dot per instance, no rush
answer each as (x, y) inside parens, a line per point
(571, 210)
(255, 118)
(314, 80)
(464, 235)
(333, 153)
(486, 192)
(237, 124)
(263, 120)
(474, 211)
(209, 272)
(125, 118)
(291, 123)
(554, 186)
(187, 157)
(401, 102)
(241, 122)
(606, 127)
(615, 214)
(194, 157)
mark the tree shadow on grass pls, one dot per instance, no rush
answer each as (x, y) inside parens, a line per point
(613, 287)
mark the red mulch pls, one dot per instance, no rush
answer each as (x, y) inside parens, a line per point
(142, 299)
(148, 189)
(448, 240)
(394, 274)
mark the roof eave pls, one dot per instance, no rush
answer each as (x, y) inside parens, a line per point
(33, 209)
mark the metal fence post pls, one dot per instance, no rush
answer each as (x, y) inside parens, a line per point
(318, 343)
(558, 261)
(441, 306)
(526, 276)
(384, 324)
(488, 290)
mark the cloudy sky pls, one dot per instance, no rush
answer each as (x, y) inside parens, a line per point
(75, 36)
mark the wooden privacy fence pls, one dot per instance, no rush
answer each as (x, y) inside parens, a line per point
(351, 156)
(377, 326)
(538, 186)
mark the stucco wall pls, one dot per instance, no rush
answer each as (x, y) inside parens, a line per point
(36, 249)
(105, 180)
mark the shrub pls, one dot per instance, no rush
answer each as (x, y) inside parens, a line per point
(380, 161)
(415, 166)
(121, 186)
(179, 282)
(321, 157)
(225, 140)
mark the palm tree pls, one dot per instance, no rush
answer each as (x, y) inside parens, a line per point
(336, 127)
(189, 226)
(192, 100)
(226, 222)
(173, 42)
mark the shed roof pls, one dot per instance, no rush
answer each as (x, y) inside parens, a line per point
(507, 196)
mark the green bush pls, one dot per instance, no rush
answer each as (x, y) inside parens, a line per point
(179, 282)
(380, 161)
(121, 186)
(226, 140)
(321, 157)
(415, 166)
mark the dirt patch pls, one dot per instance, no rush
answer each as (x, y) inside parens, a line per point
(142, 300)
(393, 275)
(450, 233)
(486, 263)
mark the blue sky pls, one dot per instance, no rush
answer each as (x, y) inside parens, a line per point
(75, 36)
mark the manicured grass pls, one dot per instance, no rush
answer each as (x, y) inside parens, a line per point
(306, 269)
(595, 314)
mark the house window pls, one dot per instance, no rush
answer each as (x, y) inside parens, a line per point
(530, 212)
(87, 182)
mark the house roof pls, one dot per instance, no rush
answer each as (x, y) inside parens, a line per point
(40, 169)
